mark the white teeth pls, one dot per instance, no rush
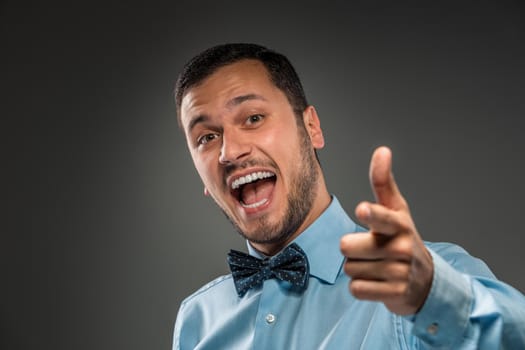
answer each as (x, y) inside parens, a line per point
(259, 175)
(255, 205)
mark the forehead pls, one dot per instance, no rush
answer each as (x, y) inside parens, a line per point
(226, 83)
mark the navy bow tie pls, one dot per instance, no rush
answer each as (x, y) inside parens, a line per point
(248, 272)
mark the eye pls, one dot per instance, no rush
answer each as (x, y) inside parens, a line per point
(206, 138)
(254, 119)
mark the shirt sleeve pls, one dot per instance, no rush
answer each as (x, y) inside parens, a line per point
(468, 308)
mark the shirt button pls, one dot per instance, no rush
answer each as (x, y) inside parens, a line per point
(270, 318)
(433, 329)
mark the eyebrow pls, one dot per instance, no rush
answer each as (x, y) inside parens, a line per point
(240, 99)
(230, 104)
(198, 119)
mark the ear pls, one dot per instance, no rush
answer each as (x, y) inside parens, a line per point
(206, 193)
(313, 126)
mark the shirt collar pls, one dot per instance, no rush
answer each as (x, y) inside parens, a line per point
(320, 242)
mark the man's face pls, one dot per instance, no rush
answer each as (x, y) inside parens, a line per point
(255, 160)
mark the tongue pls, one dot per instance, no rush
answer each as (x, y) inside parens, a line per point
(256, 191)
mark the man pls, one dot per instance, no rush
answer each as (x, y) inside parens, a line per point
(253, 139)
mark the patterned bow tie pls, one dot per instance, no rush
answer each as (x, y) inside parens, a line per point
(248, 272)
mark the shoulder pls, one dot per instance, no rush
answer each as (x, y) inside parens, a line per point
(208, 303)
(213, 287)
(220, 286)
(197, 309)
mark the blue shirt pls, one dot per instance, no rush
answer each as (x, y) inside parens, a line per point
(467, 307)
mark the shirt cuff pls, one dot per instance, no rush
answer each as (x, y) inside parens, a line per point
(444, 317)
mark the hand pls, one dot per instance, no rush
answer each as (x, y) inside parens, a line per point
(389, 263)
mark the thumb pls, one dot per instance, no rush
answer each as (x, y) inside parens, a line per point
(382, 180)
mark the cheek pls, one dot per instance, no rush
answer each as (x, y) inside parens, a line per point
(281, 137)
(204, 169)
(208, 178)
(283, 145)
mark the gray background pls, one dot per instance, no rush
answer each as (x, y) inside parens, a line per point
(102, 206)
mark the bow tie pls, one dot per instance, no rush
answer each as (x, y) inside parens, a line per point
(290, 265)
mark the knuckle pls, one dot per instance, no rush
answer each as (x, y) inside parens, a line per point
(401, 290)
(404, 222)
(357, 289)
(403, 248)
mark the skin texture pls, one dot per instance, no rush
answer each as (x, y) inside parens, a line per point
(237, 122)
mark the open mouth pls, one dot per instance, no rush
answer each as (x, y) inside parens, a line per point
(254, 189)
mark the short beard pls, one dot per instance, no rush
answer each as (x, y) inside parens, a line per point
(300, 201)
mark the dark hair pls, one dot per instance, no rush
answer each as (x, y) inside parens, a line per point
(280, 70)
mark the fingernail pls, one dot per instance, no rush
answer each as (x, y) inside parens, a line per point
(365, 211)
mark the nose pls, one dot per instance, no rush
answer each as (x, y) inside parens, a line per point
(234, 148)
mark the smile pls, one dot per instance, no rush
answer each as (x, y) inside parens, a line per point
(253, 190)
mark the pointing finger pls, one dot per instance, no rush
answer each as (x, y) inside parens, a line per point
(380, 219)
(371, 246)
